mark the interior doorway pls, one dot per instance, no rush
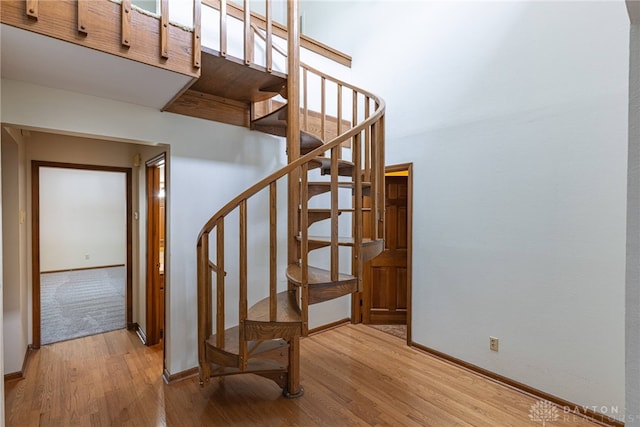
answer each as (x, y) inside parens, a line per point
(77, 229)
(386, 295)
(156, 249)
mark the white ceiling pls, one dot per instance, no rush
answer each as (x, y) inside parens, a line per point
(50, 62)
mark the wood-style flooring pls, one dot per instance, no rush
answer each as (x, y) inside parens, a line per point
(353, 376)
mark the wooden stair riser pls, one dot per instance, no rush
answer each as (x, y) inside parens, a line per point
(322, 293)
(221, 357)
(317, 188)
(267, 368)
(372, 250)
(368, 251)
(278, 116)
(270, 330)
(278, 354)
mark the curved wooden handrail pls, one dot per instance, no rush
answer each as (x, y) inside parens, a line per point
(229, 207)
(282, 52)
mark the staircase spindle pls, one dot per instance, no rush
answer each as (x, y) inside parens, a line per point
(323, 108)
(83, 17)
(273, 252)
(339, 126)
(204, 304)
(269, 37)
(304, 247)
(164, 28)
(197, 30)
(32, 9)
(381, 171)
(357, 220)
(335, 268)
(367, 144)
(243, 301)
(220, 277)
(305, 92)
(248, 48)
(125, 23)
(223, 28)
(375, 181)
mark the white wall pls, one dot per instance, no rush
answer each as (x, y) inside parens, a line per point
(2, 371)
(632, 312)
(83, 221)
(14, 295)
(514, 115)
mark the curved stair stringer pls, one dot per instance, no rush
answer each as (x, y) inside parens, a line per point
(265, 340)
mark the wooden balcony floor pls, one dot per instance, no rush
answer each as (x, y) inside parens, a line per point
(352, 375)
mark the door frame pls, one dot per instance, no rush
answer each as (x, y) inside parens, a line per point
(356, 302)
(35, 239)
(152, 308)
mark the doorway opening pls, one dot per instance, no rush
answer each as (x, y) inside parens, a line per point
(385, 301)
(156, 250)
(81, 250)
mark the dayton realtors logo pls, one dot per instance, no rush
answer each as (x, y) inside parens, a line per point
(544, 412)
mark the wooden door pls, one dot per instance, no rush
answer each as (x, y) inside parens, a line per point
(385, 277)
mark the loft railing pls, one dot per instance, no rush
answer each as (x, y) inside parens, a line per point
(229, 20)
(228, 14)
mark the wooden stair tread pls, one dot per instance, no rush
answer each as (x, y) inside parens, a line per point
(370, 248)
(317, 276)
(254, 366)
(319, 187)
(340, 210)
(253, 79)
(275, 123)
(342, 240)
(341, 184)
(308, 142)
(345, 167)
(254, 348)
(231, 337)
(277, 117)
(287, 309)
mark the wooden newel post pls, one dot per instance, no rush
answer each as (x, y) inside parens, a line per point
(293, 152)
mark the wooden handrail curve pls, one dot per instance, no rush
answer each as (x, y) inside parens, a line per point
(307, 158)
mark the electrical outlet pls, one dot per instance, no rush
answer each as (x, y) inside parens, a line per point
(493, 343)
(86, 256)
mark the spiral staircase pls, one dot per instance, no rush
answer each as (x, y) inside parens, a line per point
(334, 214)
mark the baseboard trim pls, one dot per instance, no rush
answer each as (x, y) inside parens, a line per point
(15, 376)
(576, 409)
(329, 326)
(83, 268)
(180, 376)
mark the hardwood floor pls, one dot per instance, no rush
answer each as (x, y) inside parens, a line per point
(352, 375)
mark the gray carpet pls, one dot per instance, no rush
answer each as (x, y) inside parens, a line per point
(80, 303)
(399, 331)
